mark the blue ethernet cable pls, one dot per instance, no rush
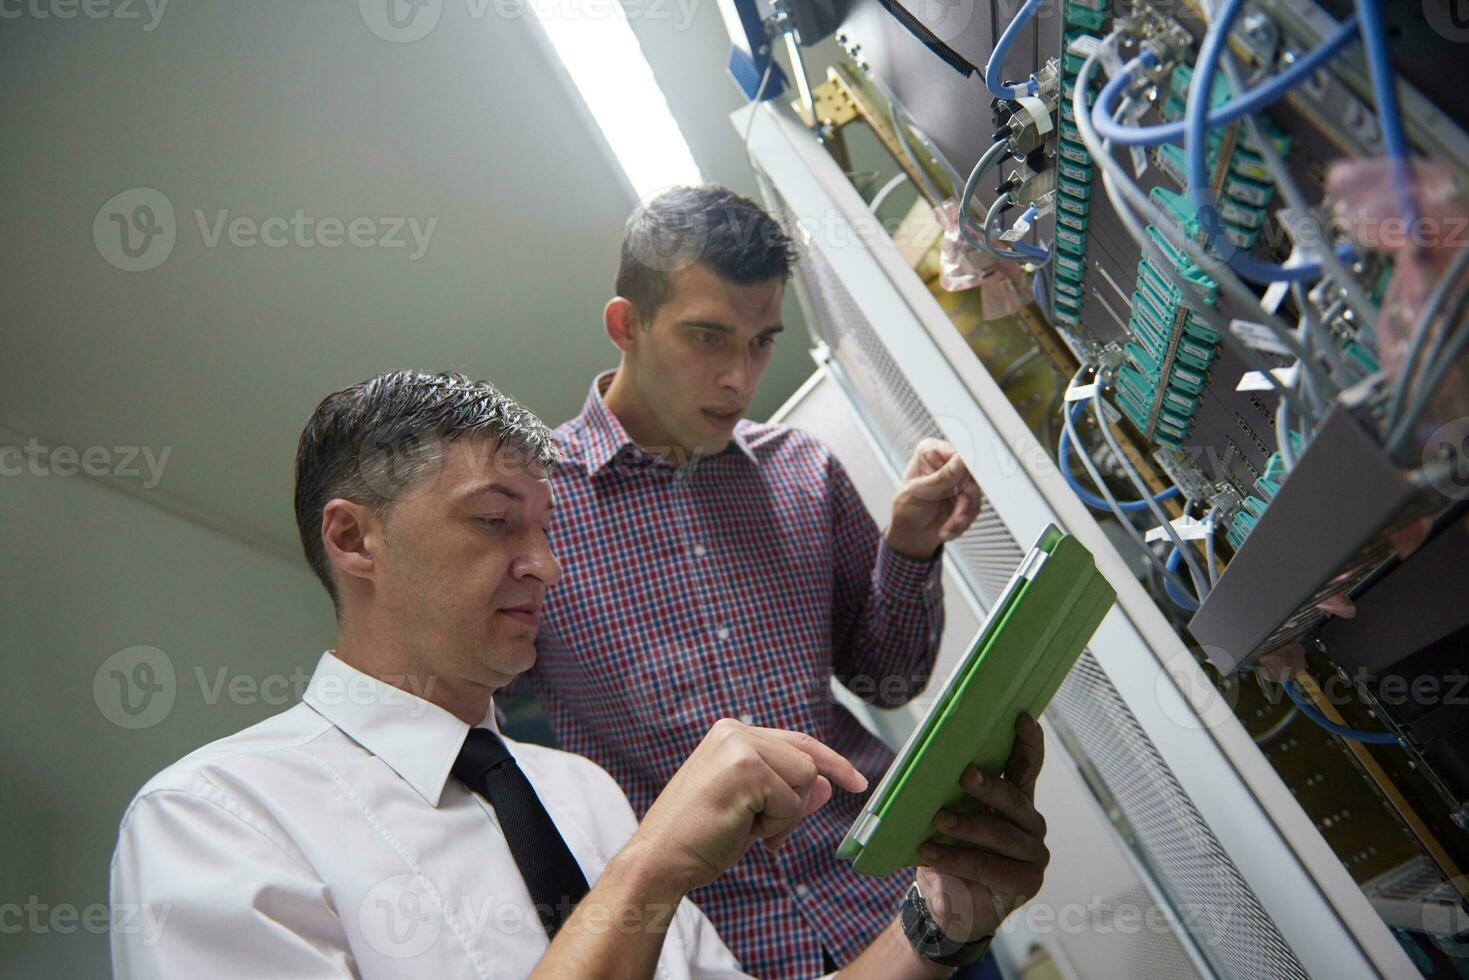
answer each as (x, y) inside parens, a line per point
(1201, 86)
(1384, 89)
(1389, 114)
(1257, 98)
(1309, 710)
(991, 220)
(1180, 599)
(1002, 47)
(1025, 248)
(1063, 455)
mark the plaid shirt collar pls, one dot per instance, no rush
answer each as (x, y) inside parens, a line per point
(603, 436)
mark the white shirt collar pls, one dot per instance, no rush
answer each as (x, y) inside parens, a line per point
(416, 738)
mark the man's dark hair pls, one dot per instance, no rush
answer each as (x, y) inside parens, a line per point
(373, 441)
(708, 224)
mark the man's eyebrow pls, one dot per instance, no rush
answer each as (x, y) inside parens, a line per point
(725, 328)
(505, 491)
(493, 487)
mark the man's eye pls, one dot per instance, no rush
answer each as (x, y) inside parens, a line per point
(491, 521)
(763, 342)
(706, 338)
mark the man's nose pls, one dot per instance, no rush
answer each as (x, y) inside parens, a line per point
(541, 564)
(738, 374)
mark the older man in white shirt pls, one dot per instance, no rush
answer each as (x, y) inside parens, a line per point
(384, 828)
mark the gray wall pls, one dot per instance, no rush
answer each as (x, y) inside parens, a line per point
(217, 355)
(260, 108)
(87, 573)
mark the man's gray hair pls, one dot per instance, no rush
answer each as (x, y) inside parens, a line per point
(373, 441)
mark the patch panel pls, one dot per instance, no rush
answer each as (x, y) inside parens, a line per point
(1158, 347)
(1082, 19)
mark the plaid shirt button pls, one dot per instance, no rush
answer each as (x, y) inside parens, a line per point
(699, 551)
(722, 632)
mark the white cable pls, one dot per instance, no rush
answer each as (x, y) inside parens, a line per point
(1209, 556)
(887, 189)
(1282, 436)
(897, 124)
(1201, 582)
(1432, 306)
(985, 163)
(1117, 512)
(755, 109)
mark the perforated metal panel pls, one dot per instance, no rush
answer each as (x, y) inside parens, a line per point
(1229, 926)
(894, 412)
(1210, 898)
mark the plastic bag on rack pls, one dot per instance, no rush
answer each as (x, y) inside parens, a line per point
(1368, 199)
(1003, 289)
(961, 266)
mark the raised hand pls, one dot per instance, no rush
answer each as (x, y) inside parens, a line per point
(936, 502)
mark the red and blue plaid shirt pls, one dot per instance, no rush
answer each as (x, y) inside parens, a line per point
(736, 585)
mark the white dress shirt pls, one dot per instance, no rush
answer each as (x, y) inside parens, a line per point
(331, 840)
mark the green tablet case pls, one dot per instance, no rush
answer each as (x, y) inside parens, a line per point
(1027, 645)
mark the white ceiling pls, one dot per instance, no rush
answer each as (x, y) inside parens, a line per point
(268, 106)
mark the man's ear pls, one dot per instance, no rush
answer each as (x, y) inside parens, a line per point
(349, 532)
(621, 320)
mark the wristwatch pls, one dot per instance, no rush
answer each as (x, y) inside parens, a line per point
(929, 940)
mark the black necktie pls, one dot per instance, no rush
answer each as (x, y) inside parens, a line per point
(551, 874)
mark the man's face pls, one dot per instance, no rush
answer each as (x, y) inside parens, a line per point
(696, 366)
(465, 564)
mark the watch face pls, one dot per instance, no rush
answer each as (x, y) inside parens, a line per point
(929, 941)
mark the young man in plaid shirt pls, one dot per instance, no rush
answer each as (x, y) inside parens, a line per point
(719, 567)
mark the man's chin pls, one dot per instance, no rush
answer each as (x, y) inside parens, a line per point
(706, 445)
(511, 658)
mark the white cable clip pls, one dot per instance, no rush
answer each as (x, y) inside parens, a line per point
(1188, 529)
(1259, 337)
(1276, 291)
(1021, 226)
(1035, 108)
(1256, 380)
(1086, 45)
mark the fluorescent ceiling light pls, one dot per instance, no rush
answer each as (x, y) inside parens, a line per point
(602, 55)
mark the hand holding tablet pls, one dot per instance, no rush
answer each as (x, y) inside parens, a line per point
(1023, 651)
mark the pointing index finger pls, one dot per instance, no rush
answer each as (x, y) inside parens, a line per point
(830, 763)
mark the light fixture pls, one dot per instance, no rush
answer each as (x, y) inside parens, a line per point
(601, 53)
